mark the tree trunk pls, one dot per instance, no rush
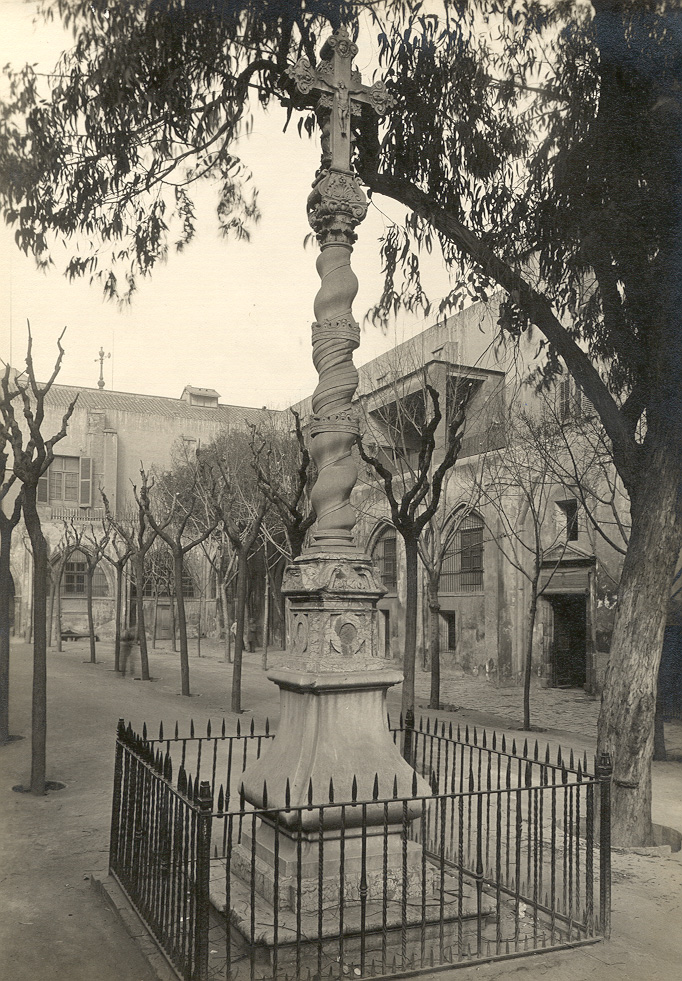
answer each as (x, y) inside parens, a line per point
(39, 700)
(626, 719)
(242, 583)
(155, 619)
(434, 640)
(201, 599)
(528, 666)
(174, 622)
(226, 622)
(117, 615)
(90, 575)
(182, 621)
(410, 649)
(141, 633)
(5, 578)
(50, 615)
(266, 614)
(59, 609)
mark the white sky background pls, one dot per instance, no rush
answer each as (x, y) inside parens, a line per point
(232, 316)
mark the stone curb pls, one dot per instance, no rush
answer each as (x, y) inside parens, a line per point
(114, 897)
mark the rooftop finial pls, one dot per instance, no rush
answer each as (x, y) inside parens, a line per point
(102, 356)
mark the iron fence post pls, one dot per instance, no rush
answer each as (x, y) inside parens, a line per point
(204, 802)
(116, 800)
(604, 770)
(408, 739)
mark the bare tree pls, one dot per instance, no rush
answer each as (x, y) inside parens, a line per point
(139, 537)
(118, 556)
(518, 489)
(434, 545)
(283, 470)
(404, 428)
(178, 511)
(57, 565)
(31, 458)
(8, 523)
(240, 507)
(92, 547)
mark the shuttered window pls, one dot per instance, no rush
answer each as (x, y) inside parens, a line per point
(63, 479)
(85, 481)
(384, 555)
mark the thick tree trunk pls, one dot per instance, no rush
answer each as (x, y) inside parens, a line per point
(5, 578)
(39, 701)
(91, 620)
(50, 615)
(182, 622)
(410, 649)
(434, 640)
(174, 621)
(117, 617)
(59, 609)
(226, 621)
(266, 614)
(138, 566)
(242, 584)
(528, 666)
(626, 719)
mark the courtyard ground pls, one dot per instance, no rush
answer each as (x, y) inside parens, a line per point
(55, 927)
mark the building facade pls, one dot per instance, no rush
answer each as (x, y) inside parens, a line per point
(483, 594)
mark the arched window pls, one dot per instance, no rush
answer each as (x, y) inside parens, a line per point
(384, 556)
(463, 562)
(75, 575)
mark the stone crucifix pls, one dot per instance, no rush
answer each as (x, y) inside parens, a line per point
(336, 205)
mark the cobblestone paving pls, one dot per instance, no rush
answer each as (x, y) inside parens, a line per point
(559, 709)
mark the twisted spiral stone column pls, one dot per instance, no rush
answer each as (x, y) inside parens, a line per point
(336, 205)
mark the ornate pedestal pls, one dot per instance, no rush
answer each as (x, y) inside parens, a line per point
(333, 727)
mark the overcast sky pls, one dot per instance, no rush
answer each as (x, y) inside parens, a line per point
(226, 315)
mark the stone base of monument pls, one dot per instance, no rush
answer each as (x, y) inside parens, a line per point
(402, 901)
(387, 866)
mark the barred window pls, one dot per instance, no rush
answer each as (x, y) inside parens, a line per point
(463, 562)
(384, 555)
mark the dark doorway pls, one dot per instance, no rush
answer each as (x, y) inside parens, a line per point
(450, 624)
(569, 654)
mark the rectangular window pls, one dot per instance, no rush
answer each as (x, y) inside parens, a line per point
(63, 479)
(450, 623)
(74, 578)
(569, 510)
(389, 569)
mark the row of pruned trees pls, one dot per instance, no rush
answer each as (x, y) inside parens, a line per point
(245, 493)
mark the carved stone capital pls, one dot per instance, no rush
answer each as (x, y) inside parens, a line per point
(336, 203)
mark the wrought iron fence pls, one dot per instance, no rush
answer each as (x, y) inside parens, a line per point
(508, 854)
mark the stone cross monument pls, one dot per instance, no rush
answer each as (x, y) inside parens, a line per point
(333, 716)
